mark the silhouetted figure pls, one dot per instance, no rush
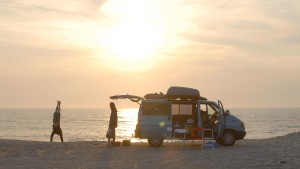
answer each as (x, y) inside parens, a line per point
(56, 123)
(113, 124)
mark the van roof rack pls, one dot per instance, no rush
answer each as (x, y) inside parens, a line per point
(183, 93)
(159, 95)
(175, 92)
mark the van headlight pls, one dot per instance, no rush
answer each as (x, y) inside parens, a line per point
(243, 125)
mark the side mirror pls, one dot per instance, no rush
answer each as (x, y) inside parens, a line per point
(227, 112)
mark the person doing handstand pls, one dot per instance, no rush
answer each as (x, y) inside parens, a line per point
(56, 123)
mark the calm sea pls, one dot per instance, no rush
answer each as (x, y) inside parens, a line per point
(91, 124)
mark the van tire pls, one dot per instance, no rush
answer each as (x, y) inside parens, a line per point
(155, 142)
(228, 138)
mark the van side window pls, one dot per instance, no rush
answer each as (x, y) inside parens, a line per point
(175, 109)
(156, 108)
(182, 109)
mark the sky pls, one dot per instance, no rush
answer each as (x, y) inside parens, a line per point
(243, 52)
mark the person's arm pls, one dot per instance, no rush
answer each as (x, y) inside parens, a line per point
(57, 106)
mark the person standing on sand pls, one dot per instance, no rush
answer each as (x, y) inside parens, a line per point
(113, 124)
(56, 123)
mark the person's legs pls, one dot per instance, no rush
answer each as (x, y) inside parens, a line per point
(59, 106)
(56, 109)
(113, 135)
(108, 141)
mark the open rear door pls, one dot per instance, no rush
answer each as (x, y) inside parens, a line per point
(133, 98)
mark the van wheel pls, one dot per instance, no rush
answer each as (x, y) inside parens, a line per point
(228, 138)
(155, 142)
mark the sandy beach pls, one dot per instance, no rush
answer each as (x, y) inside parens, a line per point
(278, 152)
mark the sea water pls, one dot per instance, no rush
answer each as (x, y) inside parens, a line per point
(92, 124)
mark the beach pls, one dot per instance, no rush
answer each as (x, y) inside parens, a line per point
(277, 152)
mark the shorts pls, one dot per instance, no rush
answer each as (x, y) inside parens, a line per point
(56, 129)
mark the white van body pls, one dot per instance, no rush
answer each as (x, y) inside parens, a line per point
(182, 107)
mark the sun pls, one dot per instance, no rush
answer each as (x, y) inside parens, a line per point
(132, 43)
(134, 36)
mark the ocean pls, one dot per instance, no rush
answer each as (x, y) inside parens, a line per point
(92, 124)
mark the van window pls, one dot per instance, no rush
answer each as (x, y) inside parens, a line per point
(156, 108)
(182, 109)
(208, 108)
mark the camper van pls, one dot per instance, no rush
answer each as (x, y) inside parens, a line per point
(183, 107)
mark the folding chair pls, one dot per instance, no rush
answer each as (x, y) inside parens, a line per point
(182, 133)
(196, 134)
(208, 135)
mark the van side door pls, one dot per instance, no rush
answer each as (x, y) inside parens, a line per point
(221, 119)
(212, 116)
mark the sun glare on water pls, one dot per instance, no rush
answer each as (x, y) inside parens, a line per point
(127, 119)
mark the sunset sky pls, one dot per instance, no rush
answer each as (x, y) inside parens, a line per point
(243, 52)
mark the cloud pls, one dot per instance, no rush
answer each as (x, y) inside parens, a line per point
(39, 15)
(265, 29)
(79, 7)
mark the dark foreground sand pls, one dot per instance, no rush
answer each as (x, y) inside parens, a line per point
(278, 152)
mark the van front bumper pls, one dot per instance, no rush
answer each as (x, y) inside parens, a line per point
(240, 135)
